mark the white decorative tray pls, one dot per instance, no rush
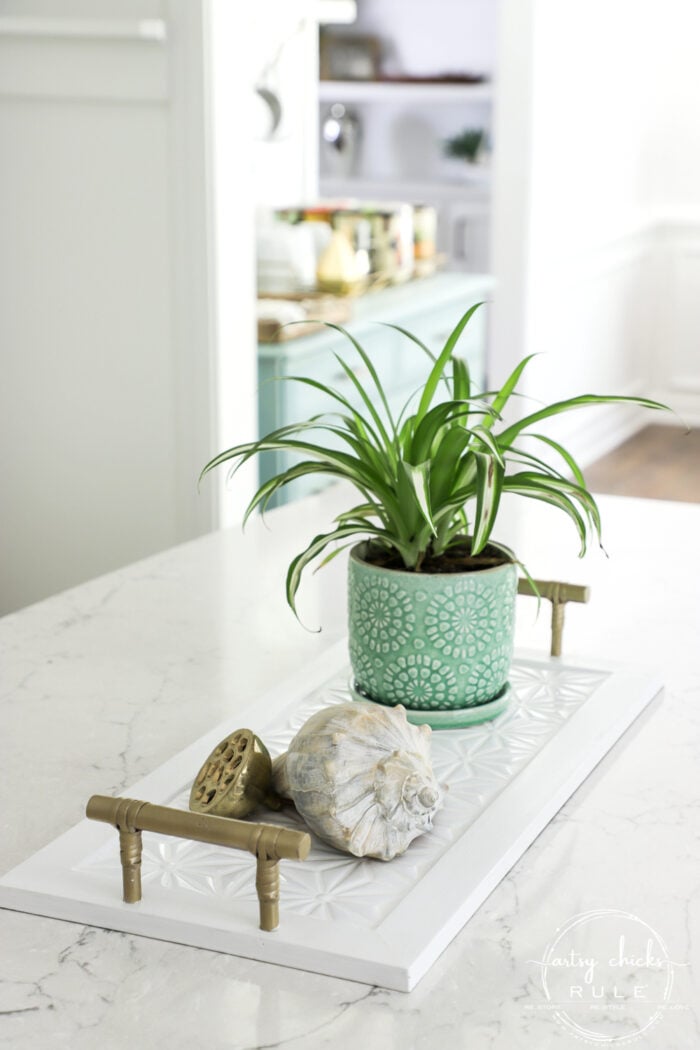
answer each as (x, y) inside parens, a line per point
(365, 920)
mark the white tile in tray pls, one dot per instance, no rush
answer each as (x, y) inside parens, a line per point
(381, 923)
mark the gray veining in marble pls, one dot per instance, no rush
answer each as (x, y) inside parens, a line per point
(102, 684)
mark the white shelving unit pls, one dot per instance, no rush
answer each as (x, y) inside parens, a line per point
(415, 92)
(396, 150)
(473, 177)
(460, 191)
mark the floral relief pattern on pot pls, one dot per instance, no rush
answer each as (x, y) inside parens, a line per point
(432, 642)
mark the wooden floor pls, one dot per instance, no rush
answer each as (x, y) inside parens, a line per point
(658, 463)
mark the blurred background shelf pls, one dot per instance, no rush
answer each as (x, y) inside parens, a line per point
(419, 91)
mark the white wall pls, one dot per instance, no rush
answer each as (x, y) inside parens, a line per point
(673, 160)
(589, 210)
(272, 44)
(596, 180)
(283, 56)
(511, 190)
(424, 39)
(228, 74)
(674, 192)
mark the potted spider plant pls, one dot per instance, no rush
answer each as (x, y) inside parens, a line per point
(431, 595)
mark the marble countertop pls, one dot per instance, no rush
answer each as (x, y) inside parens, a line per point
(105, 682)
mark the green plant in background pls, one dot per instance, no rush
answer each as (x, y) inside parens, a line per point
(435, 474)
(466, 145)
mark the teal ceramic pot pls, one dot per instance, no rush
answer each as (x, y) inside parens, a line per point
(437, 643)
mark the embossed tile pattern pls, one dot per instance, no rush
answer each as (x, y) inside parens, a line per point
(474, 764)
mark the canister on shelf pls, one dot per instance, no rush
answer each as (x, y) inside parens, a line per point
(424, 231)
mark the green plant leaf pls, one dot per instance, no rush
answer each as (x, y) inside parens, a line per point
(418, 478)
(422, 478)
(461, 381)
(528, 461)
(315, 548)
(508, 436)
(418, 342)
(531, 490)
(358, 513)
(437, 418)
(565, 455)
(250, 448)
(267, 490)
(353, 469)
(349, 434)
(489, 485)
(442, 361)
(381, 429)
(482, 436)
(503, 396)
(368, 364)
(364, 426)
(411, 336)
(333, 554)
(567, 488)
(445, 461)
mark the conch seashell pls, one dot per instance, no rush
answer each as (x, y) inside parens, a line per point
(360, 776)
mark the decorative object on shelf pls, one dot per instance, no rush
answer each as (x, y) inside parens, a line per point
(268, 844)
(271, 84)
(424, 239)
(361, 777)
(269, 116)
(468, 145)
(430, 482)
(236, 777)
(348, 56)
(380, 233)
(285, 258)
(281, 318)
(341, 133)
(338, 268)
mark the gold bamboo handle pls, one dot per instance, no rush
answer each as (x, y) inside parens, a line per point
(130, 847)
(558, 594)
(268, 843)
(267, 884)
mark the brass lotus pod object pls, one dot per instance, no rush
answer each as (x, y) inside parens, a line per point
(236, 777)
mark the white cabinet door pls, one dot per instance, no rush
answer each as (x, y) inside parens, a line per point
(102, 412)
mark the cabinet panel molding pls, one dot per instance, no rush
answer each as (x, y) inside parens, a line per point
(94, 59)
